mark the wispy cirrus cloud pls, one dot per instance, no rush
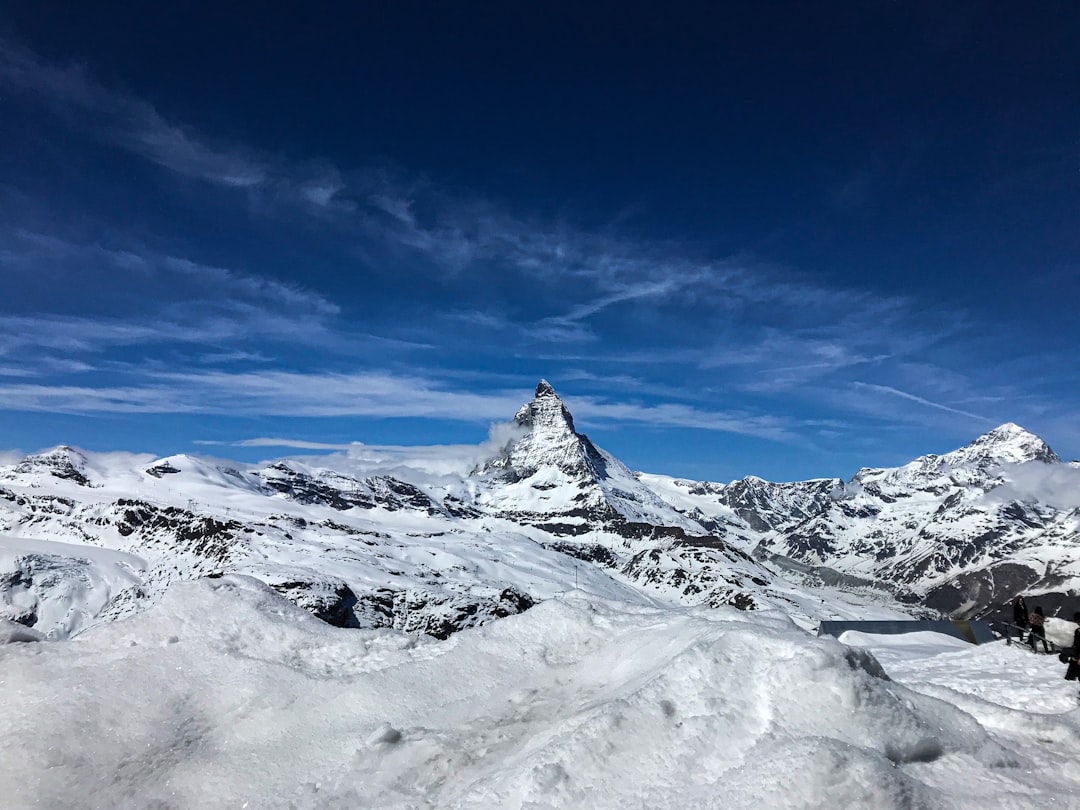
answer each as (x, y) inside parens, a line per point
(131, 123)
(135, 296)
(574, 275)
(371, 395)
(135, 264)
(126, 120)
(674, 415)
(267, 393)
(268, 441)
(462, 278)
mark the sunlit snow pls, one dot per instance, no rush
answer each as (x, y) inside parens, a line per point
(227, 695)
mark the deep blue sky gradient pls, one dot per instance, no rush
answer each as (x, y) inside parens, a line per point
(787, 239)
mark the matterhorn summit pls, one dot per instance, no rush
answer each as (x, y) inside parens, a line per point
(551, 441)
(552, 471)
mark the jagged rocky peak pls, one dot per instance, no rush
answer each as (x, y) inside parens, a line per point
(61, 462)
(1007, 444)
(546, 412)
(550, 440)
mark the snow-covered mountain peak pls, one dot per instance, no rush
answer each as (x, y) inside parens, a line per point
(550, 440)
(550, 470)
(61, 462)
(1007, 444)
(973, 464)
(546, 412)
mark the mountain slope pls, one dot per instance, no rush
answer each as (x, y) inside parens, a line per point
(87, 538)
(947, 527)
(547, 513)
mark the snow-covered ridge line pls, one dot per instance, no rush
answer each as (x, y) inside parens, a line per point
(547, 511)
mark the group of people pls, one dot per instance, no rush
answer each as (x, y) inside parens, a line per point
(1036, 620)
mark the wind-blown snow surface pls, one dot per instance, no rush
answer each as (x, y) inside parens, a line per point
(225, 694)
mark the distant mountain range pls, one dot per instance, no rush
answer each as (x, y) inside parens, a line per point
(88, 537)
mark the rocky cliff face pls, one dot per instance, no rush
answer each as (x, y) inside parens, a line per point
(555, 479)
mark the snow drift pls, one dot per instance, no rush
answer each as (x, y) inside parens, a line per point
(227, 694)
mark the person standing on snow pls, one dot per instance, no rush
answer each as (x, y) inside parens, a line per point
(1038, 630)
(1020, 612)
(1073, 657)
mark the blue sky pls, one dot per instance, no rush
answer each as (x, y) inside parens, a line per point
(781, 239)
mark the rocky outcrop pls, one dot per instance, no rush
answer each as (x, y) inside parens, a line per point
(64, 463)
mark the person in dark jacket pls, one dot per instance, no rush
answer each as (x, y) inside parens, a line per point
(1020, 612)
(1038, 630)
(1073, 672)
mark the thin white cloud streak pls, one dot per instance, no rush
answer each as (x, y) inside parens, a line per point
(70, 333)
(257, 288)
(184, 302)
(126, 120)
(675, 415)
(137, 264)
(267, 441)
(270, 393)
(885, 389)
(76, 399)
(354, 395)
(94, 335)
(567, 327)
(233, 357)
(135, 125)
(12, 371)
(397, 207)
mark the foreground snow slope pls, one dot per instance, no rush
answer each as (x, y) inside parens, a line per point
(232, 696)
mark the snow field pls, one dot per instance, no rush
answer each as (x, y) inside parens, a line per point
(1019, 697)
(79, 580)
(225, 693)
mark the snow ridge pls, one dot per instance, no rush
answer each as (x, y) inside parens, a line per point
(549, 512)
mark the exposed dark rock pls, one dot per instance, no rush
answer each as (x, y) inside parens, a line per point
(164, 468)
(968, 595)
(17, 580)
(213, 541)
(390, 493)
(375, 608)
(342, 493)
(63, 462)
(589, 552)
(459, 509)
(304, 489)
(333, 603)
(442, 613)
